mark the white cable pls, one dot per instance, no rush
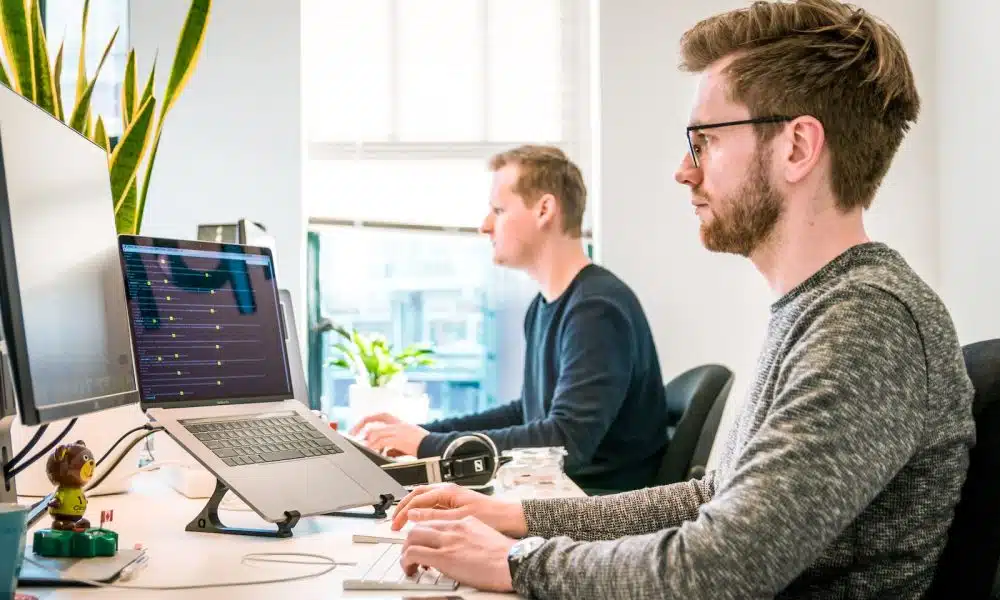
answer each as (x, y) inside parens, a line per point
(330, 563)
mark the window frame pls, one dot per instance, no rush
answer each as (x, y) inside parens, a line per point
(576, 98)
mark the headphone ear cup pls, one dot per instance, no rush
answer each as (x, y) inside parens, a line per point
(474, 444)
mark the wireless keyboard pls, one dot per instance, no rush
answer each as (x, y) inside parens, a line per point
(387, 574)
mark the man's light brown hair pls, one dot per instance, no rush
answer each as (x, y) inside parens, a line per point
(546, 170)
(823, 58)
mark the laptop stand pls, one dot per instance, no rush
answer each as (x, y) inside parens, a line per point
(381, 509)
(208, 520)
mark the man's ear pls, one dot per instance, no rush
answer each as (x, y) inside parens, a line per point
(545, 209)
(802, 148)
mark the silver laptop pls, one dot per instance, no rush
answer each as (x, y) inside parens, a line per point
(214, 370)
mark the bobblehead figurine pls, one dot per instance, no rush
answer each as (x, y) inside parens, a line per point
(70, 467)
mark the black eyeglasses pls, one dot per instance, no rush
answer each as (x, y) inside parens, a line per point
(695, 150)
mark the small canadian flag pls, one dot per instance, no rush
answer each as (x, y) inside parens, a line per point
(106, 517)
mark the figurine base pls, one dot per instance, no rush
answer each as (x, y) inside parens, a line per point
(88, 543)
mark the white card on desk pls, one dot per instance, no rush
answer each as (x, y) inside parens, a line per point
(378, 539)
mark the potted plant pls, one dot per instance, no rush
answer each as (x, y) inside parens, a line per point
(29, 73)
(380, 374)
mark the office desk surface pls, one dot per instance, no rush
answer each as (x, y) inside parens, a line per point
(155, 515)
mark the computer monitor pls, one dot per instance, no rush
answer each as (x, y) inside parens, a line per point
(252, 233)
(62, 299)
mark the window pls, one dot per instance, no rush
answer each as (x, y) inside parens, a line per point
(404, 101)
(63, 20)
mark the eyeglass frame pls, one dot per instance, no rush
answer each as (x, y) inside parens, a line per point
(755, 121)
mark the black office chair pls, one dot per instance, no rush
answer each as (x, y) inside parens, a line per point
(695, 401)
(972, 553)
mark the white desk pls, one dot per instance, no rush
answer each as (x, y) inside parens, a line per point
(154, 515)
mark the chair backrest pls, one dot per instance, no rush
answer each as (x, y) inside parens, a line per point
(972, 553)
(695, 401)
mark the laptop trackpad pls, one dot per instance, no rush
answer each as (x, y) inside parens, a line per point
(332, 487)
(312, 486)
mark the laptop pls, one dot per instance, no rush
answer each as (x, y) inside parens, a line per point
(211, 352)
(300, 387)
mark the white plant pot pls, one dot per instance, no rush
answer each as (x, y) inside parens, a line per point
(364, 400)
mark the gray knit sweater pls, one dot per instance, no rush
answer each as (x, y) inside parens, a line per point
(838, 479)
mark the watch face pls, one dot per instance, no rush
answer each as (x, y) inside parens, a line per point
(526, 547)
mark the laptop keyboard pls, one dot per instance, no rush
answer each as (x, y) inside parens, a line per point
(261, 439)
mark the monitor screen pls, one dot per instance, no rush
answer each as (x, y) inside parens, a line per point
(65, 322)
(205, 322)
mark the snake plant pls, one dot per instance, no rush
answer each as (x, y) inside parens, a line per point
(28, 72)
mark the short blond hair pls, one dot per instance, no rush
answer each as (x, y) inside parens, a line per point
(547, 170)
(822, 58)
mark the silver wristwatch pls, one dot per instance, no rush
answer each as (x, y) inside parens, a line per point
(520, 551)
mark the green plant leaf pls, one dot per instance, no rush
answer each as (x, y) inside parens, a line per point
(81, 112)
(101, 135)
(125, 218)
(44, 86)
(189, 45)
(129, 92)
(125, 160)
(56, 86)
(188, 50)
(339, 362)
(81, 65)
(147, 92)
(17, 44)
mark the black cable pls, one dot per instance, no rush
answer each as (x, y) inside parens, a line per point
(29, 461)
(121, 456)
(119, 440)
(27, 448)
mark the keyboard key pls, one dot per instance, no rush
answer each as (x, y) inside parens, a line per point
(283, 455)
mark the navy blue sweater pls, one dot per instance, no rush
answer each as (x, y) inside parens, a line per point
(592, 384)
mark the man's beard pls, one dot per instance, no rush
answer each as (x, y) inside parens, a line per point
(744, 220)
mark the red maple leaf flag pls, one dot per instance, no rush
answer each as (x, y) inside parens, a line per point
(107, 516)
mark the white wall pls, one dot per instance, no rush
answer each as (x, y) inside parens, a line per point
(969, 92)
(706, 307)
(232, 145)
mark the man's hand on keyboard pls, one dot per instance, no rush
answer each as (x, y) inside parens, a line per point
(467, 550)
(386, 432)
(451, 502)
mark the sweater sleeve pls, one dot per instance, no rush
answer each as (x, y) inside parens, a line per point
(595, 367)
(629, 513)
(847, 416)
(504, 415)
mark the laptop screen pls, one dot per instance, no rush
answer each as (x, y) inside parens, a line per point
(205, 322)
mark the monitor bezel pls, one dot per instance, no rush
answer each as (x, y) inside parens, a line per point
(183, 244)
(12, 317)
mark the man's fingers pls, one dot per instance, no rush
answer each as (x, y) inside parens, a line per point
(422, 497)
(437, 514)
(426, 537)
(375, 418)
(364, 421)
(381, 437)
(414, 557)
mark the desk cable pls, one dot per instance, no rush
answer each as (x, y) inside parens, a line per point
(298, 558)
(15, 466)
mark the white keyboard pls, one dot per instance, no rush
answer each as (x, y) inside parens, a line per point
(387, 574)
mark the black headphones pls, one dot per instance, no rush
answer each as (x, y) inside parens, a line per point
(471, 460)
